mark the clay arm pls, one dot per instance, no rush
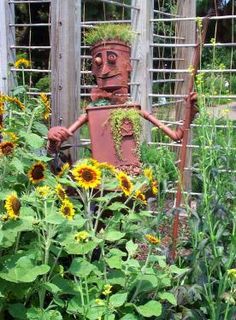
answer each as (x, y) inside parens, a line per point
(177, 134)
(57, 135)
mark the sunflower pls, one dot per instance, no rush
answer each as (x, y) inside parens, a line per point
(154, 186)
(61, 193)
(46, 104)
(148, 173)
(140, 196)
(15, 101)
(12, 206)
(107, 166)
(67, 209)
(36, 173)
(152, 239)
(44, 191)
(1, 108)
(81, 236)
(6, 148)
(87, 176)
(64, 169)
(125, 183)
(10, 135)
(22, 62)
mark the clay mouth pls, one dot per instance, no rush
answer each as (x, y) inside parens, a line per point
(108, 77)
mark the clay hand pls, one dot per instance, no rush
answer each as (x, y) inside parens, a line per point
(59, 134)
(193, 100)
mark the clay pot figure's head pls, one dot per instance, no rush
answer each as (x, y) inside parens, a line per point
(111, 64)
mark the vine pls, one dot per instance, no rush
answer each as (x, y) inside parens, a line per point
(116, 119)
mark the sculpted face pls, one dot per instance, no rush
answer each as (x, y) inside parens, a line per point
(111, 65)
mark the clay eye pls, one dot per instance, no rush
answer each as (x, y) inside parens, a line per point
(98, 61)
(112, 58)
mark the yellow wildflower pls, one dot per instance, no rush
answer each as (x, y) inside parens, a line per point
(21, 63)
(148, 173)
(12, 206)
(125, 183)
(46, 104)
(152, 239)
(232, 273)
(87, 176)
(44, 191)
(67, 209)
(81, 236)
(100, 302)
(107, 290)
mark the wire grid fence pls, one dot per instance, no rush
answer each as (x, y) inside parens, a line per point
(166, 71)
(33, 48)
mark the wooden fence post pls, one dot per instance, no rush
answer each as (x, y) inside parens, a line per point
(142, 51)
(65, 42)
(7, 39)
(185, 32)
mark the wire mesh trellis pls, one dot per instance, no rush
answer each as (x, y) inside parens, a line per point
(161, 55)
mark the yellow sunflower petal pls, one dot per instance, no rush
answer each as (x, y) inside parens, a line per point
(87, 176)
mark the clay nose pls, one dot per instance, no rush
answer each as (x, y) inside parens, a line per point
(105, 70)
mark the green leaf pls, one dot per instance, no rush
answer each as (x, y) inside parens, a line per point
(114, 262)
(41, 128)
(32, 139)
(129, 316)
(150, 309)
(169, 297)
(51, 287)
(174, 269)
(95, 312)
(79, 248)
(55, 218)
(81, 268)
(21, 269)
(117, 206)
(162, 261)
(118, 299)
(113, 235)
(40, 314)
(131, 247)
(18, 165)
(17, 311)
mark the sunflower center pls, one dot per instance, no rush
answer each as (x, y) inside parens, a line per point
(7, 148)
(15, 206)
(38, 172)
(125, 184)
(66, 211)
(87, 175)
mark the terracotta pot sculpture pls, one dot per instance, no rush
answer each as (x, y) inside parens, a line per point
(111, 68)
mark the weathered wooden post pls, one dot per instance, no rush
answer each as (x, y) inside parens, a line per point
(185, 32)
(7, 39)
(142, 52)
(65, 41)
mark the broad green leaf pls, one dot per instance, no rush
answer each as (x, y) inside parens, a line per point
(117, 206)
(95, 312)
(81, 268)
(116, 277)
(114, 262)
(21, 270)
(129, 316)
(18, 165)
(40, 314)
(51, 287)
(131, 247)
(35, 141)
(113, 235)
(169, 297)
(162, 261)
(79, 248)
(17, 311)
(174, 269)
(75, 305)
(41, 128)
(118, 299)
(150, 309)
(55, 218)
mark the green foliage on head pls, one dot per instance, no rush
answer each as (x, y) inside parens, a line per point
(122, 32)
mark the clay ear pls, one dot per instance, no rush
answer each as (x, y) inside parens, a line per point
(129, 67)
